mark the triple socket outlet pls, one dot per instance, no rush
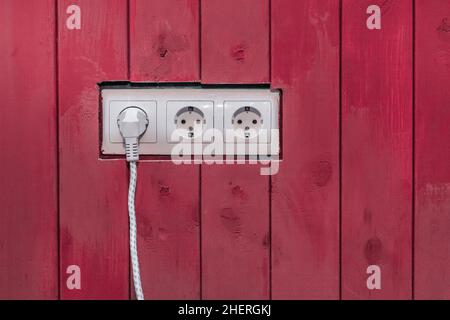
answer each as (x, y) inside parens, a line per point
(212, 121)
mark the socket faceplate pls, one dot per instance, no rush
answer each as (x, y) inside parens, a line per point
(165, 105)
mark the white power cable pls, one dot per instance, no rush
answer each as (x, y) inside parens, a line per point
(133, 232)
(133, 123)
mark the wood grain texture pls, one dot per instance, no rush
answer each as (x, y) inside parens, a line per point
(432, 221)
(235, 198)
(93, 192)
(28, 165)
(377, 149)
(305, 193)
(168, 197)
(164, 40)
(235, 35)
(235, 233)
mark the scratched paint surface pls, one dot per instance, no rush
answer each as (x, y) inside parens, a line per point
(377, 150)
(235, 198)
(432, 236)
(28, 195)
(364, 182)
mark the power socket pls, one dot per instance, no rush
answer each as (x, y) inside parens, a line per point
(188, 120)
(247, 120)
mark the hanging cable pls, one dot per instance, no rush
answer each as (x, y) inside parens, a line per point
(133, 232)
(133, 123)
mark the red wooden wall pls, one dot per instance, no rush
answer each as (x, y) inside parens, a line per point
(365, 176)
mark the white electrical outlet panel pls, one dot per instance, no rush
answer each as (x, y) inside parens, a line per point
(205, 122)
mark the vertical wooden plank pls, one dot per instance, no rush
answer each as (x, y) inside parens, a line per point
(165, 48)
(28, 165)
(235, 35)
(165, 40)
(93, 192)
(305, 193)
(235, 198)
(235, 233)
(432, 222)
(377, 149)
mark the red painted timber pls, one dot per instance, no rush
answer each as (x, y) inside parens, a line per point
(432, 222)
(377, 149)
(93, 192)
(305, 193)
(235, 41)
(235, 198)
(28, 163)
(165, 47)
(164, 42)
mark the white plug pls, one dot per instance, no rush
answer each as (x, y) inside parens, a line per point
(133, 123)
